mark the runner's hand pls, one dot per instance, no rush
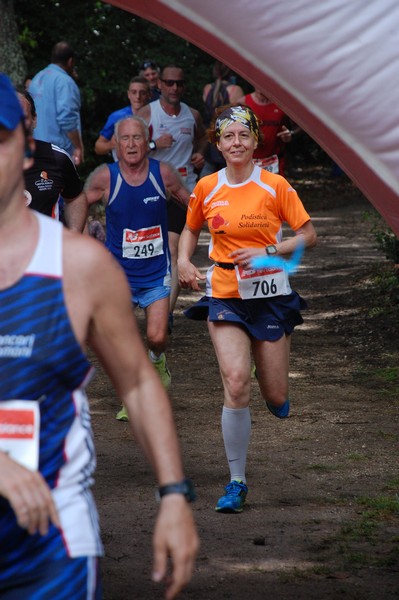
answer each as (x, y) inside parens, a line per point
(285, 134)
(175, 536)
(243, 256)
(166, 140)
(29, 496)
(189, 275)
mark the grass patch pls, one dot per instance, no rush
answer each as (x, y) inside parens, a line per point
(356, 456)
(388, 374)
(392, 485)
(384, 380)
(381, 507)
(377, 511)
(367, 540)
(323, 468)
(388, 436)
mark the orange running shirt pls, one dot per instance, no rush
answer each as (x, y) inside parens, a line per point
(249, 214)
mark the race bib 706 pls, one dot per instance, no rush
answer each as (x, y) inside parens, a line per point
(262, 283)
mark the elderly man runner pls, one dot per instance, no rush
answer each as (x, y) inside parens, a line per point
(134, 191)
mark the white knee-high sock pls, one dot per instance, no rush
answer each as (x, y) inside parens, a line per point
(236, 430)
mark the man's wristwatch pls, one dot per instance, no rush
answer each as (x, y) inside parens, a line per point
(185, 487)
(271, 250)
(152, 145)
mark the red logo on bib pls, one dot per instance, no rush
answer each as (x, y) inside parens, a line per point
(16, 424)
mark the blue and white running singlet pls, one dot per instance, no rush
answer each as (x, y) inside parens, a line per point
(43, 366)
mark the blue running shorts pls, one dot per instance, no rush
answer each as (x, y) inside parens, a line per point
(143, 297)
(262, 318)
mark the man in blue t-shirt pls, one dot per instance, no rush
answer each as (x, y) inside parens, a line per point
(57, 99)
(139, 95)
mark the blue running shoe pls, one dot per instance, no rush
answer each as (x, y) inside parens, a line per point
(281, 412)
(234, 499)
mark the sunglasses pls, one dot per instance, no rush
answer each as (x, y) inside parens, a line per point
(171, 82)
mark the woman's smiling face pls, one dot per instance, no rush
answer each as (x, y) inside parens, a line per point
(237, 144)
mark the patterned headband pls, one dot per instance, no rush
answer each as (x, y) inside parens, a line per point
(239, 114)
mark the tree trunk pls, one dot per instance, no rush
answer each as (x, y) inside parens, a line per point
(12, 61)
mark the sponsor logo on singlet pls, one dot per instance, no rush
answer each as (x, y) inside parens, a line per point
(151, 199)
(17, 345)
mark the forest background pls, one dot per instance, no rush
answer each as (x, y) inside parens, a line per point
(110, 44)
(323, 521)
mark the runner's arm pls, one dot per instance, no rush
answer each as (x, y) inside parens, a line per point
(188, 273)
(174, 184)
(75, 212)
(309, 237)
(103, 145)
(97, 185)
(306, 232)
(78, 152)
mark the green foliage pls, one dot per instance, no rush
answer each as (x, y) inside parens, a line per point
(110, 44)
(385, 283)
(386, 240)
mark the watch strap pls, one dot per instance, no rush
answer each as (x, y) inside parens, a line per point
(184, 487)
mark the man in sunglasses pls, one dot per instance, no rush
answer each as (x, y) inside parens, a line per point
(178, 138)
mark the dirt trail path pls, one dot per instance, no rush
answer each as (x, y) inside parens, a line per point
(320, 521)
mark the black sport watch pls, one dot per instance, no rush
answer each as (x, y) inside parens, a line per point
(271, 250)
(152, 145)
(185, 487)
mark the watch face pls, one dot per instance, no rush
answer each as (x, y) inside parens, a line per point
(271, 250)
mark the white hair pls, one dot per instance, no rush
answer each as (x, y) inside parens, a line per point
(136, 118)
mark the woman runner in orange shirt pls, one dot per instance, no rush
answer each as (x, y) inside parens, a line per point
(249, 312)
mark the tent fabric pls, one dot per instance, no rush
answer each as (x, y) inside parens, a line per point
(332, 66)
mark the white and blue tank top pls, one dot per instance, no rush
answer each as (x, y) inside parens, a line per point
(41, 362)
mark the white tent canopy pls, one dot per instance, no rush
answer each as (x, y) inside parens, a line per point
(332, 66)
